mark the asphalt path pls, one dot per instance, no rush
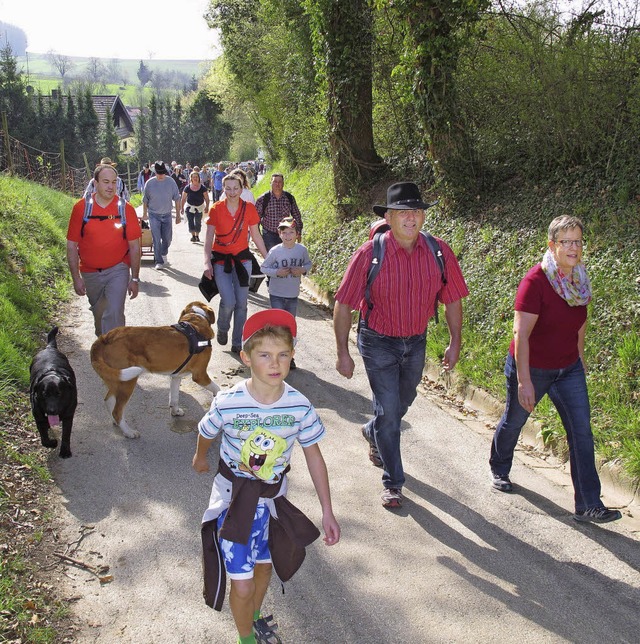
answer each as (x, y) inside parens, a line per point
(458, 563)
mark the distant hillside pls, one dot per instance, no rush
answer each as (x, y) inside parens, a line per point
(118, 75)
(38, 65)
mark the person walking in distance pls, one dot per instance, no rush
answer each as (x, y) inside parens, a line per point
(160, 195)
(394, 312)
(274, 206)
(228, 260)
(103, 250)
(195, 202)
(285, 264)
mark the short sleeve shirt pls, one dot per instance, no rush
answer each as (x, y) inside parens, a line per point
(229, 239)
(404, 292)
(553, 343)
(101, 244)
(257, 439)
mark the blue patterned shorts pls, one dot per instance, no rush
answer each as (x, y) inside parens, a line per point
(240, 558)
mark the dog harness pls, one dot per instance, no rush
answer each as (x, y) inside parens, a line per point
(197, 342)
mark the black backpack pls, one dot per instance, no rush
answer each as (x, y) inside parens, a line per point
(266, 197)
(379, 229)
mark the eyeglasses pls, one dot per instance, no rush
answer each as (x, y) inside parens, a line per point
(568, 243)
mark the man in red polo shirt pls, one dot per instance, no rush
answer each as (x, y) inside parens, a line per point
(103, 255)
(392, 341)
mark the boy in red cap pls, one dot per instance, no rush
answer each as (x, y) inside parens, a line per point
(260, 420)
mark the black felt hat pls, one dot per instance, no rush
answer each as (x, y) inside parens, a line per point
(403, 196)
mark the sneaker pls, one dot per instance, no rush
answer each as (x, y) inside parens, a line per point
(374, 454)
(235, 348)
(293, 364)
(159, 267)
(264, 629)
(392, 498)
(193, 238)
(501, 482)
(597, 515)
(197, 238)
(167, 263)
(222, 337)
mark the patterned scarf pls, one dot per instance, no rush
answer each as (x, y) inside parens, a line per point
(576, 292)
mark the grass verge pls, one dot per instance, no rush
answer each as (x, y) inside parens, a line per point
(34, 283)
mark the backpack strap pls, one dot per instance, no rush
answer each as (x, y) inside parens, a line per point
(88, 209)
(436, 251)
(266, 198)
(379, 241)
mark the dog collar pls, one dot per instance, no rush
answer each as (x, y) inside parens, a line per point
(198, 311)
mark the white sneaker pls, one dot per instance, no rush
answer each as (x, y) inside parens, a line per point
(159, 267)
(167, 263)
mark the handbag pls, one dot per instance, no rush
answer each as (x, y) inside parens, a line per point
(208, 287)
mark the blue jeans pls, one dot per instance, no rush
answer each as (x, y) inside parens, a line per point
(161, 233)
(194, 217)
(270, 239)
(289, 304)
(233, 301)
(394, 367)
(567, 389)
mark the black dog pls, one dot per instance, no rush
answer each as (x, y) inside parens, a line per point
(53, 393)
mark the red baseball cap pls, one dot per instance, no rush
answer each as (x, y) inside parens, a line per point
(272, 317)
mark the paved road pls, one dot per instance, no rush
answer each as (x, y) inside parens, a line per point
(459, 563)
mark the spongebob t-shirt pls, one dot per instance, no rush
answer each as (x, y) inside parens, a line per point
(257, 439)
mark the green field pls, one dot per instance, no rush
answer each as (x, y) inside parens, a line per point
(40, 74)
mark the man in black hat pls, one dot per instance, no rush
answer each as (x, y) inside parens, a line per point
(159, 193)
(393, 322)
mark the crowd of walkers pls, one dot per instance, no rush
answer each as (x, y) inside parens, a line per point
(395, 282)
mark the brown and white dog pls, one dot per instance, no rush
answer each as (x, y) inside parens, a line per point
(124, 353)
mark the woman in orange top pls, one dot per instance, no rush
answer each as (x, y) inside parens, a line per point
(227, 257)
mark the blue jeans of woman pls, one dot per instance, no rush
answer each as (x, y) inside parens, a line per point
(161, 233)
(194, 218)
(567, 389)
(289, 304)
(394, 367)
(233, 301)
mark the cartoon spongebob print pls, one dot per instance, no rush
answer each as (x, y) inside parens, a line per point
(260, 453)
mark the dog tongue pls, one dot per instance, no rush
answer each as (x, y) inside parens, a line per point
(53, 420)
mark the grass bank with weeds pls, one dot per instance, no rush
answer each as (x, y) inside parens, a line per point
(497, 240)
(34, 284)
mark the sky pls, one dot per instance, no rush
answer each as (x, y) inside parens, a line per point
(157, 30)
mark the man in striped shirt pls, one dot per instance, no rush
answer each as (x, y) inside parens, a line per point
(273, 207)
(392, 342)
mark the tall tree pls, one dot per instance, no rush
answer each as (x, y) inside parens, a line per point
(144, 74)
(71, 141)
(60, 63)
(14, 99)
(435, 33)
(88, 126)
(342, 38)
(108, 141)
(209, 137)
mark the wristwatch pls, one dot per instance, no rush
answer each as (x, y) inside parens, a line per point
(135, 279)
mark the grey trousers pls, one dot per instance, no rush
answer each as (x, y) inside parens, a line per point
(107, 292)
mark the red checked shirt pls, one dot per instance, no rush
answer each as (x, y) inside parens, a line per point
(404, 292)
